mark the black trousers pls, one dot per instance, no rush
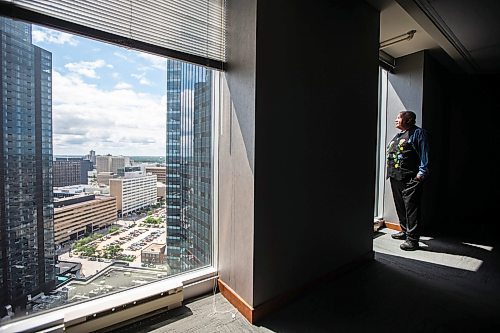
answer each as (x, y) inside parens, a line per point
(407, 194)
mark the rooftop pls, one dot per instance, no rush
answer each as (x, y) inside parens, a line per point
(79, 201)
(155, 247)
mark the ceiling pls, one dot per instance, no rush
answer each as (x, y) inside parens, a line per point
(467, 31)
(395, 21)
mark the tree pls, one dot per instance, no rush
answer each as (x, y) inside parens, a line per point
(113, 250)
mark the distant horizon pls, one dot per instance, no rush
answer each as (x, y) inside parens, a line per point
(80, 155)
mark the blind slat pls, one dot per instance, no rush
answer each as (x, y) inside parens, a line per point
(195, 27)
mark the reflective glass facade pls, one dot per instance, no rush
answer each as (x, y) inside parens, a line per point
(189, 166)
(26, 212)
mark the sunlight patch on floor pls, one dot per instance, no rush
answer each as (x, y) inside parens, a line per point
(448, 256)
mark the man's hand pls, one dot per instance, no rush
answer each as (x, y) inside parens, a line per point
(419, 178)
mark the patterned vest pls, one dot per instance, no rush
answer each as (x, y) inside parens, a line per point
(402, 158)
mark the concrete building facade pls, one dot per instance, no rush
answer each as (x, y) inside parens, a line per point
(102, 164)
(160, 172)
(104, 177)
(70, 171)
(133, 193)
(153, 254)
(80, 215)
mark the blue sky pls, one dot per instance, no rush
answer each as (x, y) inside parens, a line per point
(106, 98)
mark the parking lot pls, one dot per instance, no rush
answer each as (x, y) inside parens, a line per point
(132, 237)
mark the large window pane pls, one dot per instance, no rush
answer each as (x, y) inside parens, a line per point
(106, 164)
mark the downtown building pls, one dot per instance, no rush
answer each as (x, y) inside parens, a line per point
(91, 157)
(79, 215)
(160, 172)
(69, 171)
(133, 193)
(109, 163)
(189, 166)
(27, 253)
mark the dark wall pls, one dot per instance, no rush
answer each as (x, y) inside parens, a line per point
(462, 113)
(473, 183)
(315, 140)
(437, 110)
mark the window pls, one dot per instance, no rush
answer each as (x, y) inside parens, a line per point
(381, 140)
(97, 110)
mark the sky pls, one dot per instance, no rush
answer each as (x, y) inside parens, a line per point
(104, 97)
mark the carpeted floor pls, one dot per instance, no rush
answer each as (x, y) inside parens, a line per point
(447, 286)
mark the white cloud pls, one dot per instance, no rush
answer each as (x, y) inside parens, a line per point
(145, 82)
(86, 68)
(123, 85)
(155, 61)
(121, 56)
(40, 35)
(142, 79)
(118, 121)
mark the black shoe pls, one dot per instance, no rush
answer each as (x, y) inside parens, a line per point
(409, 245)
(399, 235)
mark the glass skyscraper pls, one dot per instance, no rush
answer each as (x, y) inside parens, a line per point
(189, 166)
(27, 253)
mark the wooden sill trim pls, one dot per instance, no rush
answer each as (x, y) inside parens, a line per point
(253, 315)
(392, 225)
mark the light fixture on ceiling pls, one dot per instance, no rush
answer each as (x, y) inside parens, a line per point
(397, 39)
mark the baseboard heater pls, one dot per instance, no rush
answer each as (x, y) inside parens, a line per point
(106, 311)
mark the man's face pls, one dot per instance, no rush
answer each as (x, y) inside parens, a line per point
(399, 122)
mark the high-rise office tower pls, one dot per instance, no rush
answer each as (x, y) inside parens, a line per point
(27, 253)
(189, 166)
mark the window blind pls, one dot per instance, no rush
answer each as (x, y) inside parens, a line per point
(192, 30)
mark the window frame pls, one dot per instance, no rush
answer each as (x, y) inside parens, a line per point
(381, 143)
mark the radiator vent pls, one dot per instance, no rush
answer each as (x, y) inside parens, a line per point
(106, 311)
(118, 313)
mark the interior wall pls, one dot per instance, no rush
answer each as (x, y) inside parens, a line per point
(470, 199)
(237, 151)
(437, 111)
(315, 140)
(404, 92)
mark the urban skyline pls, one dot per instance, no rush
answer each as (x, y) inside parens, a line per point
(31, 169)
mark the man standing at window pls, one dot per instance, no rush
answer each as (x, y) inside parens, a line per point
(407, 167)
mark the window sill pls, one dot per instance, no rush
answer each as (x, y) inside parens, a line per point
(191, 284)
